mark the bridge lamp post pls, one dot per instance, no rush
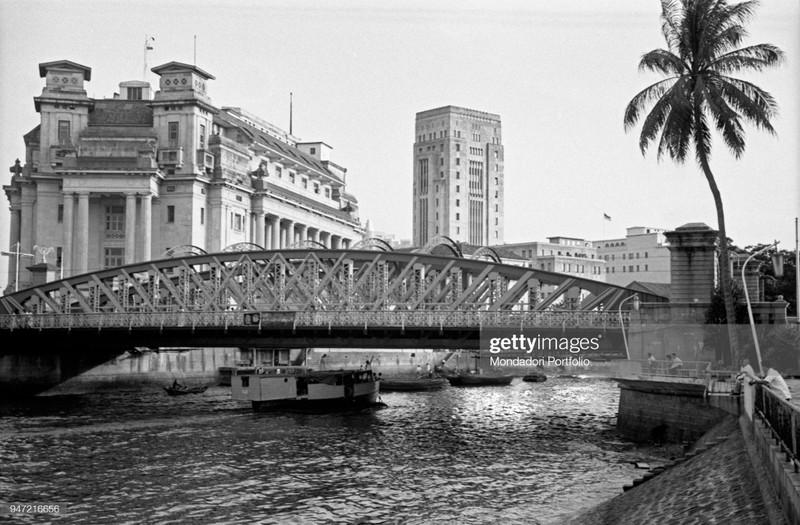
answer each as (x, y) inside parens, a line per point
(17, 253)
(636, 303)
(777, 265)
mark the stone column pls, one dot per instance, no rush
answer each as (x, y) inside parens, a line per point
(276, 233)
(289, 234)
(315, 235)
(325, 239)
(302, 232)
(13, 246)
(336, 242)
(82, 234)
(66, 242)
(692, 252)
(130, 228)
(260, 234)
(147, 226)
(346, 244)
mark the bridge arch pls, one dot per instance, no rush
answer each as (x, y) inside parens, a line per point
(449, 244)
(373, 243)
(309, 244)
(484, 252)
(183, 250)
(243, 247)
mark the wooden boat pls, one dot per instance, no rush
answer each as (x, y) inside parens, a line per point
(301, 388)
(413, 384)
(182, 390)
(534, 378)
(471, 379)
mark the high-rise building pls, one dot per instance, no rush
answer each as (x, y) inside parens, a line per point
(107, 182)
(458, 176)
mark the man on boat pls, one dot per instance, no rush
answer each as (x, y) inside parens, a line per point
(177, 386)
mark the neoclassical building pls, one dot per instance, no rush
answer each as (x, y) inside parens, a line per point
(108, 182)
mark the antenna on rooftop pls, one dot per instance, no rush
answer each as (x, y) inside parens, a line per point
(195, 51)
(148, 46)
(290, 113)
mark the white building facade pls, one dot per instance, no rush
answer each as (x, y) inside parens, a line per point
(108, 182)
(642, 255)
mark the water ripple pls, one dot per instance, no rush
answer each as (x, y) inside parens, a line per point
(524, 453)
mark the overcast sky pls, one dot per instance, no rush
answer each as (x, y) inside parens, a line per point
(559, 74)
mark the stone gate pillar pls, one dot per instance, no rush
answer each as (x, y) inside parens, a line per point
(692, 249)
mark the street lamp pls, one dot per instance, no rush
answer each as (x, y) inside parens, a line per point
(777, 265)
(635, 298)
(17, 253)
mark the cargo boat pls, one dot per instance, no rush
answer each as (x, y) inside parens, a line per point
(301, 388)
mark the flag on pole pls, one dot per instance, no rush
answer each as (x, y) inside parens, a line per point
(606, 217)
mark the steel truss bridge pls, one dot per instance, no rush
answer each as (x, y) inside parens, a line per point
(305, 297)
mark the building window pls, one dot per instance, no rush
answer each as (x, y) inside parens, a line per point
(115, 223)
(313, 151)
(496, 180)
(458, 203)
(458, 174)
(327, 193)
(645, 267)
(59, 256)
(458, 161)
(202, 136)
(458, 189)
(173, 134)
(316, 188)
(170, 213)
(458, 147)
(60, 213)
(237, 221)
(305, 184)
(278, 172)
(202, 215)
(645, 255)
(458, 216)
(134, 93)
(64, 132)
(113, 257)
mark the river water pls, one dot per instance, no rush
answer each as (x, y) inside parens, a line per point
(524, 453)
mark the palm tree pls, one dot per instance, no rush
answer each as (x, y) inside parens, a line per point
(698, 92)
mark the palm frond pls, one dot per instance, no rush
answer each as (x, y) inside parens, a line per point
(639, 103)
(752, 102)
(662, 61)
(754, 58)
(726, 118)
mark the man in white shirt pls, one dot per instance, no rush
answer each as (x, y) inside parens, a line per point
(776, 383)
(747, 372)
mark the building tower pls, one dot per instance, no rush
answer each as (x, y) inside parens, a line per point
(458, 176)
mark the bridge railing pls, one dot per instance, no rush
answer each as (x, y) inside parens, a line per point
(782, 418)
(314, 318)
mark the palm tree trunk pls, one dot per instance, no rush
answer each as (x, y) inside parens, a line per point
(725, 273)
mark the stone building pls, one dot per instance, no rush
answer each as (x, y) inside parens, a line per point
(642, 255)
(458, 176)
(568, 255)
(107, 182)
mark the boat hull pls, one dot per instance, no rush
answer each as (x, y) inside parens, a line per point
(340, 404)
(300, 388)
(479, 380)
(182, 392)
(421, 384)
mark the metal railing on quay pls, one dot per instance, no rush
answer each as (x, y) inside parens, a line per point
(172, 318)
(782, 418)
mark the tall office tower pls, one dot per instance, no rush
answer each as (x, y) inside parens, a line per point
(458, 176)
